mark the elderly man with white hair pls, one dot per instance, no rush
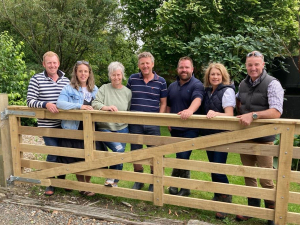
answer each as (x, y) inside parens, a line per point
(113, 97)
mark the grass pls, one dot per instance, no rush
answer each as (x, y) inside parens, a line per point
(176, 212)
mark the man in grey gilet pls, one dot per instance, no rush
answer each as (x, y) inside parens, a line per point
(260, 96)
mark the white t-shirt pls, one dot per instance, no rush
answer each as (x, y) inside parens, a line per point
(228, 98)
(86, 94)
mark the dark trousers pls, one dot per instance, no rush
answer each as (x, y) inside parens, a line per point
(142, 129)
(187, 134)
(218, 157)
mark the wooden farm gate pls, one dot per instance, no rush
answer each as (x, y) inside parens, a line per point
(229, 141)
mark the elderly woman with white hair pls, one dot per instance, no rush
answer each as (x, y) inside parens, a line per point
(113, 97)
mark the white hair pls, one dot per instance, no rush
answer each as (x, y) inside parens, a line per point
(114, 66)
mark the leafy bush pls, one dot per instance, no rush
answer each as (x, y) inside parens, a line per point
(13, 73)
(232, 50)
(31, 122)
(13, 76)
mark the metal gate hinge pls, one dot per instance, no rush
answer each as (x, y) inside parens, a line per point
(11, 179)
(15, 112)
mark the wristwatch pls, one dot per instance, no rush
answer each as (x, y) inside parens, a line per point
(254, 116)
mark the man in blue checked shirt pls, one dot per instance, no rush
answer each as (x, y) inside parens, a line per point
(260, 96)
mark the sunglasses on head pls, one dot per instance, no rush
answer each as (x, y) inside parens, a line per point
(256, 54)
(82, 62)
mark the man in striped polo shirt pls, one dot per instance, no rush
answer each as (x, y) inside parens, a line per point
(43, 91)
(149, 94)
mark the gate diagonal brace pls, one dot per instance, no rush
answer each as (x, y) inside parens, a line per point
(11, 179)
(195, 143)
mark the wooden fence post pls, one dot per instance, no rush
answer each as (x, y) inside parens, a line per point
(6, 167)
(284, 173)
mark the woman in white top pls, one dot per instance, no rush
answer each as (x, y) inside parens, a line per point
(219, 100)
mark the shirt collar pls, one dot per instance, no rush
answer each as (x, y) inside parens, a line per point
(257, 81)
(156, 77)
(59, 73)
(178, 80)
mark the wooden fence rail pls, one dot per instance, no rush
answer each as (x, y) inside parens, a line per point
(236, 139)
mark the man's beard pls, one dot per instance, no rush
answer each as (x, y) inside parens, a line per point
(186, 77)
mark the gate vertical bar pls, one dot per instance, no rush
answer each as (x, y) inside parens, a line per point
(284, 173)
(88, 137)
(158, 173)
(15, 144)
(6, 167)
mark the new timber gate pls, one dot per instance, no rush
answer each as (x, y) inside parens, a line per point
(233, 140)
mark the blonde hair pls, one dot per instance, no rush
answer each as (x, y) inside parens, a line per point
(146, 55)
(221, 68)
(49, 54)
(90, 83)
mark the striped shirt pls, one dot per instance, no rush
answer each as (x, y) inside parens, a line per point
(41, 90)
(146, 97)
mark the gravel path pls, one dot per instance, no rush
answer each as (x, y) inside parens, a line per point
(25, 215)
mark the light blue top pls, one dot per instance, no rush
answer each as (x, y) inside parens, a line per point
(70, 98)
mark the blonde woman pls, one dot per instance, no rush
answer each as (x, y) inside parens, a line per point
(219, 100)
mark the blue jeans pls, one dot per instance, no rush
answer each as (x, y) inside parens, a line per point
(142, 129)
(187, 134)
(218, 157)
(116, 147)
(51, 141)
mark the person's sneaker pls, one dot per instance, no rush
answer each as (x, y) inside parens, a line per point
(109, 182)
(242, 218)
(49, 191)
(138, 186)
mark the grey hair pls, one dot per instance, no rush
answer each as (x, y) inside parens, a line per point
(113, 66)
(256, 54)
(146, 55)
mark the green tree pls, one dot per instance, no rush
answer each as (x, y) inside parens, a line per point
(179, 24)
(140, 17)
(13, 76)
(115, 49)
(232, 50)
(71, 28)
(166, 27)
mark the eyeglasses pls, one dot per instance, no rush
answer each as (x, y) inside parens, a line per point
(256, 54)
(82, 62)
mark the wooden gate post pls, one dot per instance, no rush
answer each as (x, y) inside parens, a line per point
(284, 173)
(6, 166)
